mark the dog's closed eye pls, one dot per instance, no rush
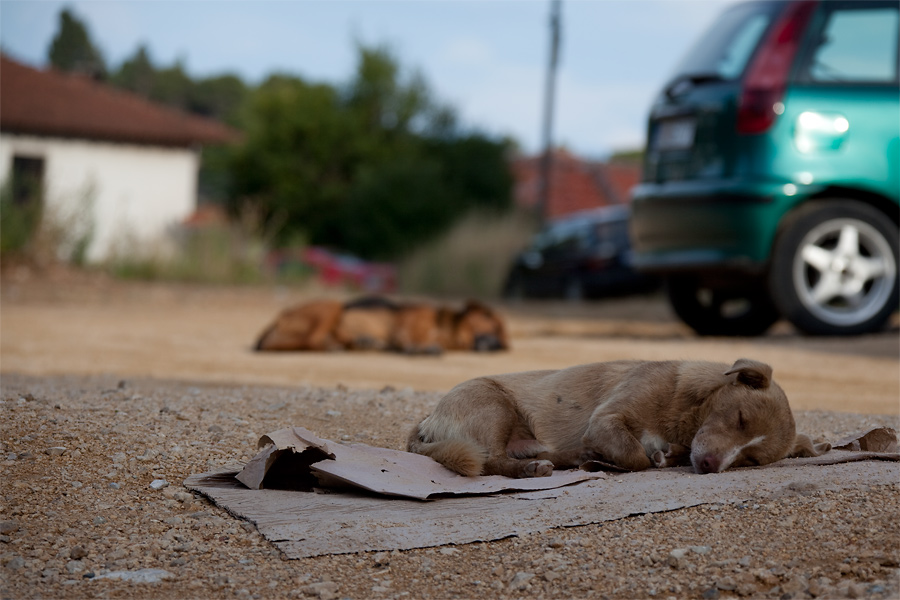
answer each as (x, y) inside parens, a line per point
(742, 422)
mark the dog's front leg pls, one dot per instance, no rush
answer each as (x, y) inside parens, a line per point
(609, 436)
(676, 455)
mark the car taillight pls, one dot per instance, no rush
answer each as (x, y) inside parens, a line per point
(767, 77)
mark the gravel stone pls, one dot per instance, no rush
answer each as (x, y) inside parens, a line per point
(74, 566)
(7, 527)
(139, 576)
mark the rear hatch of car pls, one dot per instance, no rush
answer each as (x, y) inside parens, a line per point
(691, 133)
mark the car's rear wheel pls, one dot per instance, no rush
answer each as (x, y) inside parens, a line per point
(724, 309)
(834, 268)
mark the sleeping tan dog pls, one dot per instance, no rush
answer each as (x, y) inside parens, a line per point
(633, 414)
(376, 323)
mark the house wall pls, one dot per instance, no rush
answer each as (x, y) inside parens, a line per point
(128, 195)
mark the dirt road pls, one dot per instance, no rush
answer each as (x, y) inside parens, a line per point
(108, 389)
(206, 334)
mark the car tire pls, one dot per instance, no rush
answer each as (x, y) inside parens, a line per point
(721, 310)
(834, 268)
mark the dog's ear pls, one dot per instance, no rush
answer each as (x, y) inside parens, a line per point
(751, 372)
(803, 446)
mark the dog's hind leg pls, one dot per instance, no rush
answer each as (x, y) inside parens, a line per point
(609, 436)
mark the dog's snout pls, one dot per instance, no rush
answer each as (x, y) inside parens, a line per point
(487, 343)
(708, 463)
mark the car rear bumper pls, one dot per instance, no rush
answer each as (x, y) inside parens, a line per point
(707, 225)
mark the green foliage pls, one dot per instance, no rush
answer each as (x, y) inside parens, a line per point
(227, 253)
(18, 222)
(375, 170)
(472, 259)
(72, 49)
(217, 97)
(628, 157)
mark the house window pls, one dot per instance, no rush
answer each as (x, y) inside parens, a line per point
(27, 180)
(22, 215)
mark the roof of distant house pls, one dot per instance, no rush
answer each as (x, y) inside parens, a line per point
(575, 184)
(53, 103)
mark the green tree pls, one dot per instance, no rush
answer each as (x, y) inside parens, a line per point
(72, 49)
(136, 74)
(375, 167)
(298, 149)
(218, 97)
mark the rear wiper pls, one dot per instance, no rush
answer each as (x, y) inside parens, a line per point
(682, 83)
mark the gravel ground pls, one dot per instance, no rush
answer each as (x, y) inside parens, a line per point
(79, 455)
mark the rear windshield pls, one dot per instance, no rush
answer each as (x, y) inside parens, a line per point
(726, 47)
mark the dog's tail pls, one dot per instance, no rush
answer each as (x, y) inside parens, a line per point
(460, 455)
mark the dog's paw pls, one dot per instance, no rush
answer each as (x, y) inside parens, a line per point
(659, 459)
(538, 468)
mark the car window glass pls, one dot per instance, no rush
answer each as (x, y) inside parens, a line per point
(726, 47)
(856, 45)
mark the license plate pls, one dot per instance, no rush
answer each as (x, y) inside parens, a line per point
(675, 134)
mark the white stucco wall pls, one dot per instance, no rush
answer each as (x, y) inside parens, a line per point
(130, 195)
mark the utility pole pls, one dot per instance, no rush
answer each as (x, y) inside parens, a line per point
(543, 201)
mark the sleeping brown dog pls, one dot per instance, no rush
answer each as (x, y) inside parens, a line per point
(375, 323)
(633, 414)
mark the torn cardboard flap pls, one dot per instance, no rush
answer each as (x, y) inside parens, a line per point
(877, 439)
(296, 459)
(285, 461)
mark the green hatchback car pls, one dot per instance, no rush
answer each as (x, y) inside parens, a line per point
(771, 178)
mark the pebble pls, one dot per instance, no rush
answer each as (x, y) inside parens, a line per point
(158, 484)
(7, 527)
(74, 566)
(325, 590)
(78, 552)
(139, 576)
(520, 580)
(15, 562)
(56, 451)
(676, 558)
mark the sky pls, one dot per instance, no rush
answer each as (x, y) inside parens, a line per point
(486, 58)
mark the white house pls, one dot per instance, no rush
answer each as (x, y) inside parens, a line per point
(114, 168)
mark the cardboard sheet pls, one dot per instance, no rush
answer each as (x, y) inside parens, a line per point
(345, 520)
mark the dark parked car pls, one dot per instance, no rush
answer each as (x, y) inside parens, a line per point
(772, 172)
(584, 255)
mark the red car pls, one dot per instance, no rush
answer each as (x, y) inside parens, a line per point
(333, 269)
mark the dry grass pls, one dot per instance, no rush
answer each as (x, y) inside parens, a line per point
(471, 260)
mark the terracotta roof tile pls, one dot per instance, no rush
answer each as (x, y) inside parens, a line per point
(575, 184)
(59, 104)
